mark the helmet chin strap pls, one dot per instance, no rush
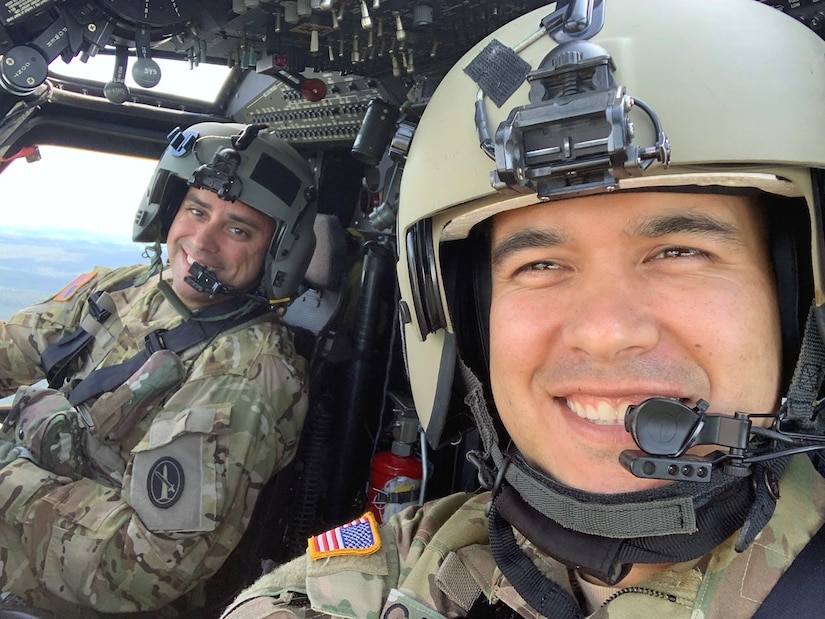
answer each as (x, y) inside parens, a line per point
(155, 255)
(720, 509)
(604, 535)
(802, 406)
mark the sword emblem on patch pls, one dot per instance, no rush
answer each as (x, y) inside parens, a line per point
(165, 482)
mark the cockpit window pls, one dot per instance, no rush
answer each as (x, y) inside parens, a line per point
(63, 215)
(178, 78)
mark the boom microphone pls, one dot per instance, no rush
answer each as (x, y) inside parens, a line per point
(204, 280)
(665, 429)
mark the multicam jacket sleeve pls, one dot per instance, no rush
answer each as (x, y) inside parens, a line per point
(435, 560)
(173, 493)
(414, 545)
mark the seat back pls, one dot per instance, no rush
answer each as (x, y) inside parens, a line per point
(314, 307)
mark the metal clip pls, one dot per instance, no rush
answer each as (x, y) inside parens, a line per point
(154, 341)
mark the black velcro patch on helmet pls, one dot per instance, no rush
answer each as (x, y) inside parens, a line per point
(498, 70)
(276, 178)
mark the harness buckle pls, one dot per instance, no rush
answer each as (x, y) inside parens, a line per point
(154, 341)
(100, 314)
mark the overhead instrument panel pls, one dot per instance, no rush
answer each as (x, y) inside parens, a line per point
(333, 120)
(401, 40)
(809, 12)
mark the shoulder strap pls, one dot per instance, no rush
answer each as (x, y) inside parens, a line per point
(56, 358)
(184, 336)
(800, 591)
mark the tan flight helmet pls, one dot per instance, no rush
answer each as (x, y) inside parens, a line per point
(246, 163)
(630, 94)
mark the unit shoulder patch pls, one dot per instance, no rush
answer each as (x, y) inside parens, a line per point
(72, 287)
(165, 482)
(359, 537)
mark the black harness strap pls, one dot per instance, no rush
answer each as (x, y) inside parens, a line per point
(799, 592)
(57, 358)
(182, 337)
(548, 598)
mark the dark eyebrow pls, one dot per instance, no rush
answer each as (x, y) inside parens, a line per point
(243, 220)
(651, 227)
(530, 238)
(194, 198)
(694, 223)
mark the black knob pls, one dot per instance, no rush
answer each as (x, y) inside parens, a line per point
(116, 90)
(146, 71)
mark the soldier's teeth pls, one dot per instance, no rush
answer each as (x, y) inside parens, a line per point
(192, 261)
(601, 413)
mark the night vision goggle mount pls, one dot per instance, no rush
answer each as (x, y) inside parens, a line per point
(666, 429)
(220, 176)
(576, 134)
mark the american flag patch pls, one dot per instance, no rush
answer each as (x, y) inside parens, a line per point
(359, 537)
(72, 287)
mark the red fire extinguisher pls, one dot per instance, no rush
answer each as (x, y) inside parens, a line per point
(396, 476)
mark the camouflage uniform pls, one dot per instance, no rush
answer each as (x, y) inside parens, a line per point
(171, 483)
(435, 561)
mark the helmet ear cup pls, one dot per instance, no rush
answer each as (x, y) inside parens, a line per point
(468, 284)
(171, 201)
(789, 231)
(467, 271)
(159, 207)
